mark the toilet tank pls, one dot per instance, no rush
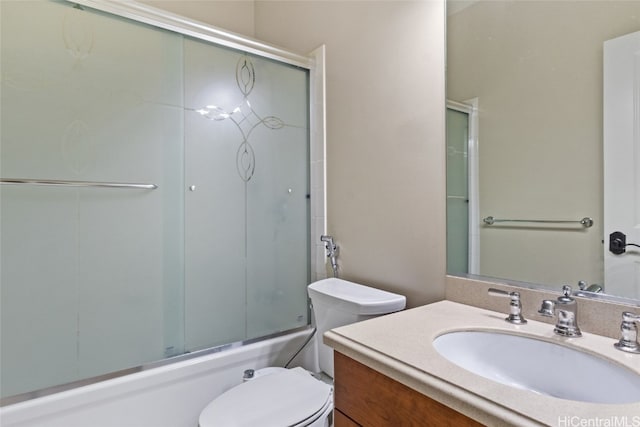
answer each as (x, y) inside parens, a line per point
(338, 302)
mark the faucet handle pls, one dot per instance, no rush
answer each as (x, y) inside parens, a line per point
(515, 307)
(547, 307)
(627, 316)
(566, 294)
(629, 333)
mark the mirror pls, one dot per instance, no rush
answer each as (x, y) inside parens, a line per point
(528, 76)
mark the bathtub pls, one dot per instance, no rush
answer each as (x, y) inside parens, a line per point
(167, 396)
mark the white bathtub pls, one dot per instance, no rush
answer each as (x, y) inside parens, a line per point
(169, 396)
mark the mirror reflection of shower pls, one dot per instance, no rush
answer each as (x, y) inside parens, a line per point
(332, 252)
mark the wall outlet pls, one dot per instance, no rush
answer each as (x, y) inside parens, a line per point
(617, 242)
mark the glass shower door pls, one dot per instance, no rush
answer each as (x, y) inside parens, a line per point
(247, 208)
(88, 273)
(278, 201)
(96, 279)
(457, 192)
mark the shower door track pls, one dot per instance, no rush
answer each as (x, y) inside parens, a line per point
(162, 19)
(17, 398)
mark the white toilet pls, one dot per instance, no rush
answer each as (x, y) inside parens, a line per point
(293, 397)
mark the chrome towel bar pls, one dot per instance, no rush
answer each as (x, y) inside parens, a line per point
(61, 183)
(585, 222)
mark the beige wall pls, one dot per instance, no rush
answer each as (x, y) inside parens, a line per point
(232, 15)
(385, 130)
(536, 68)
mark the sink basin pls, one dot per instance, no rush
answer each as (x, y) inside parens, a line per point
(540, 366)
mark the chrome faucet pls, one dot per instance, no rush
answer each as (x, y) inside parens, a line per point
(629, 330)
(584, 287)
(332, 252)
(565, 308)
(515, 307)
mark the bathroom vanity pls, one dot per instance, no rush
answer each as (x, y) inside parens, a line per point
(374, 399)
(388, 372)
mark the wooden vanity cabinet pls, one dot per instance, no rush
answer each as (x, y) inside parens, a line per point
(364, 397)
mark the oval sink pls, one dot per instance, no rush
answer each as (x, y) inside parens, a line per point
(540, 366)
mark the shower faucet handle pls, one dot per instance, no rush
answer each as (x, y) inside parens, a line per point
(515, 307)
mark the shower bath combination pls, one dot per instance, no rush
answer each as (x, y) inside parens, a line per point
(134, 210)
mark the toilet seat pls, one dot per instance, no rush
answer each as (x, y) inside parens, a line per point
(289, 398)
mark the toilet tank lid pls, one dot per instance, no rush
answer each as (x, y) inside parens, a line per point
(362, 299)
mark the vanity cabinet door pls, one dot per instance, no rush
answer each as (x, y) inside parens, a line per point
(341, 420)
(365, 397)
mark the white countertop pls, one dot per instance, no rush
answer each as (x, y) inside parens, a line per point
(400, 346)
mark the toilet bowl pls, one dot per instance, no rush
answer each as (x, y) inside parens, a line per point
(279, 397)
